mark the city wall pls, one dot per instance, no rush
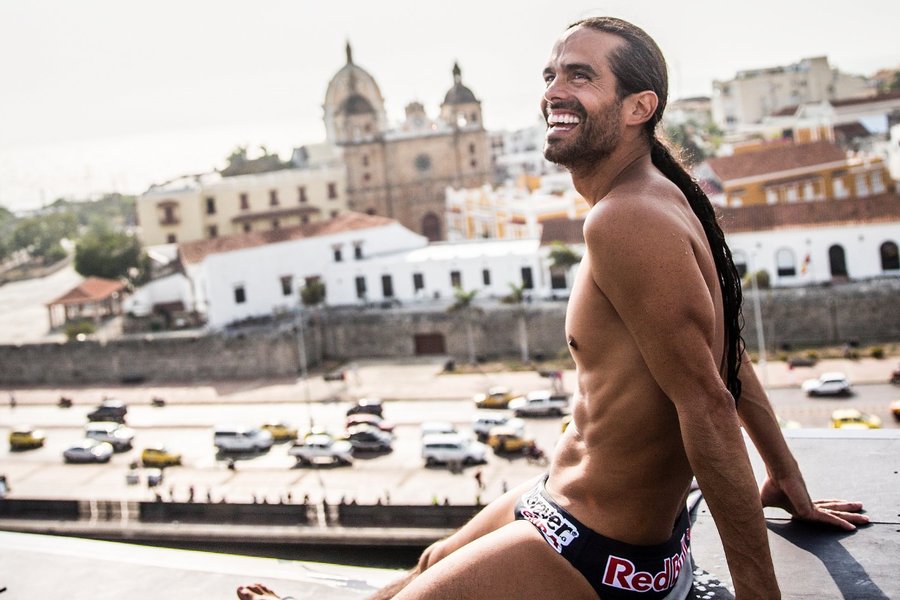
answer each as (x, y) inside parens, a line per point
(867, 313)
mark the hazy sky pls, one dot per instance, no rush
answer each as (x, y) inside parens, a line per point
(97, 95)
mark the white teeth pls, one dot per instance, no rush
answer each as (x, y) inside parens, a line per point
(562, 118)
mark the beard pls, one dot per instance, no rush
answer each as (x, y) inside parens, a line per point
(599, 134)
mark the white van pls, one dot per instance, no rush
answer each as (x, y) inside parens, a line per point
(241, 439)
(483, 424)
(452, 448)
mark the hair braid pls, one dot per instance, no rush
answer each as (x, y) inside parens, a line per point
(729, 280)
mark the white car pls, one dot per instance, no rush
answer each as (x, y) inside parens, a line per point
(828, 384)
(483, 424)
(118, 435)
(452, 448)
(321, 447)
(242, 439)
(540, 403)
(88, 450)
(436, 427)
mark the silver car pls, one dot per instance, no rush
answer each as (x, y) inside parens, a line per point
(118, 435)
(88, 450)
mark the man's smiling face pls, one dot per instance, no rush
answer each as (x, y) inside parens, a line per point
(580, 103)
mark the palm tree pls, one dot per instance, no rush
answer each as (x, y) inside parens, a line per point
(464, 303)
(516, 297)
(562, 258)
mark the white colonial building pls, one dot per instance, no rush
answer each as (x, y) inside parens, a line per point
(361, 260)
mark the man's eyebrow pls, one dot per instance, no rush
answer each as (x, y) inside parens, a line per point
(548, 70)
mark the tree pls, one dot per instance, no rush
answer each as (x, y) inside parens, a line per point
(313, 293)
(111, 255)
(562, 258)
(516, 297)
(464, 304)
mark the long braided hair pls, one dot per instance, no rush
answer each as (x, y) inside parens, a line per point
(639, 65)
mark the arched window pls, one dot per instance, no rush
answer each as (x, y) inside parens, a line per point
(786, 263)
(837, 260)
(431, 227)
(890, 260)
(740, 262)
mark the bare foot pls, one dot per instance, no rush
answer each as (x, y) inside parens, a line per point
(256, 591)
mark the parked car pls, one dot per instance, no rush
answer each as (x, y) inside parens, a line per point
(109, 410)
(370, 406)
(483, 424)
(242, 439)
(540, 403)
(850, 418)
(88, 450)
(159, 456)
(895, 376)
(895, 409)
(367, 419)
(437, 427)
(26, 438)
(828, 384)
(507, 439)
(281, 431)
(495, 397)
(322, 448)
(118, 435)
(368, 438)
(452, 448)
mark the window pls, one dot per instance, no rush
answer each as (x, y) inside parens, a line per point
(357, 251)
(273, 197)
(809, 191)
(840, 190)
(245, 201)
(740, 262)
(240, 296)
(791, 193)
(170, 214)
(276, 223)
(785, 263)
(304, 219)
(527, 281)
(387, 286)
(287, 285)
(338, 256)
(334, 213)
(370, 211)
(862, 185)
(877, 183)
(301, 194)
(471, 148)
(366, 177)
(210, 206)
(248, 227)
(455, 279)
(771, 196)
(365, 160)
(212, 231)
(332, 191)
(558, 279)
(486, 276)
(171, 239)
(890, 259)
(360, 287)
(837, 261)
(423, 163)
(473, 163)
(418, 282)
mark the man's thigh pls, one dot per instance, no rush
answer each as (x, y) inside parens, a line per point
(513, 561)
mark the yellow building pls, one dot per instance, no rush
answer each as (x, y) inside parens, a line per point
(784, 172)
(212, 205)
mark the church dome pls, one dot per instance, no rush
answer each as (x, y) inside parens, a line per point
(352, 92)
(356, 105)
(459, 94)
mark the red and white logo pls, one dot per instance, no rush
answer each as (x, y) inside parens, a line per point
(623, 574)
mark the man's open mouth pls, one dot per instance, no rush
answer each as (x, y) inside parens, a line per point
(562, 122)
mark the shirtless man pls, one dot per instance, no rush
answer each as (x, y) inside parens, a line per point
(653, 326)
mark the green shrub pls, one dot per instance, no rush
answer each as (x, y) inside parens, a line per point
(877, 352)
(75, 328)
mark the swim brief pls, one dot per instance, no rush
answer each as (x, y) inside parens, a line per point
(614, 569)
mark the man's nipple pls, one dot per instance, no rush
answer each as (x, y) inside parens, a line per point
(572, 344)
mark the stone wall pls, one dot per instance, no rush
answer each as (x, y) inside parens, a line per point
(867, 313)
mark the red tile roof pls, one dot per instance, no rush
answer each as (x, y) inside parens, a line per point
(194, 252)
(895, 95)
(92, 289)
(775, 159)
(567, 231)
(884, 208)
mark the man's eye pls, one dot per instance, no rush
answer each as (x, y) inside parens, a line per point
(548, 79)
(578, 75)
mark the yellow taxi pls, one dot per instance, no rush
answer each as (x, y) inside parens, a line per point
(281, 431)
(850, 418)
(25, 438)
(159, 456)
(507, 439)
(496, 397)
(566, 421)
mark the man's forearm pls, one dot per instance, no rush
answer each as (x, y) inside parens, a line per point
(718, 456)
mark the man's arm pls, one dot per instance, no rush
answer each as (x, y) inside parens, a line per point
(784, 486)
(643, 261)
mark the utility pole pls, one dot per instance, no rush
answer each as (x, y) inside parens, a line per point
(760, 337)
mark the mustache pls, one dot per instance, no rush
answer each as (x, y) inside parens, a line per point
(570, 105)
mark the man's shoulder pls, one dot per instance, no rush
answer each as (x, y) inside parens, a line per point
(636, 215)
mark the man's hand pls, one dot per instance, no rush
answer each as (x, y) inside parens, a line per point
(790, 494)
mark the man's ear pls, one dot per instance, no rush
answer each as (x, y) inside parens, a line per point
(640, 107)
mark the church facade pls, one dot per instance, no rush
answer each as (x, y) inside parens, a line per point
(403, 172)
